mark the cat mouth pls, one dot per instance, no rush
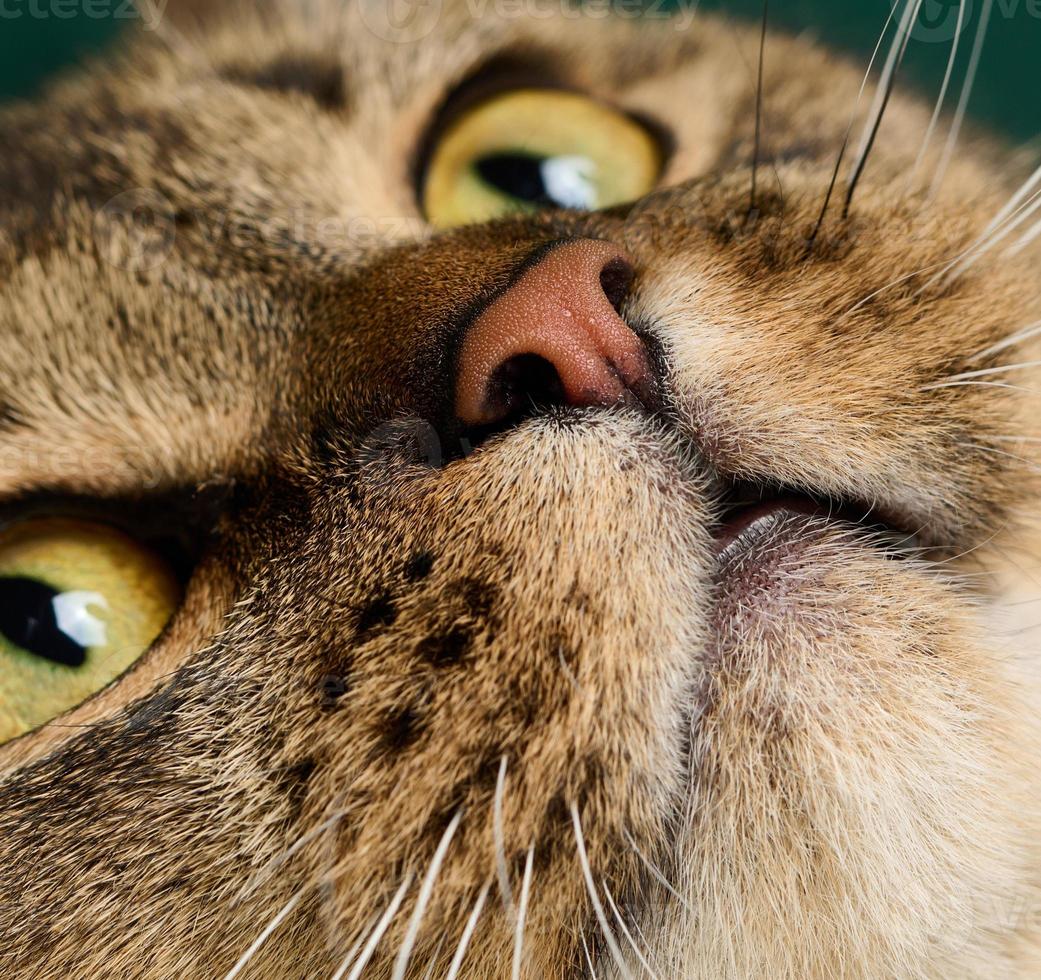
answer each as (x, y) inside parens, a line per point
(745, 507)
(741, 506)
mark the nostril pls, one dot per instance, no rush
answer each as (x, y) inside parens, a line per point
(526, 383)
(555, 337)
(615, 279)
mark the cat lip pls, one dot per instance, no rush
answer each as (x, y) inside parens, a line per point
(742, 505)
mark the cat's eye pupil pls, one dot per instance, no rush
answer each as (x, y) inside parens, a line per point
(29, 620)
(565, 181)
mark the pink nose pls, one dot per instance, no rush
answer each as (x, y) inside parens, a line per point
(555, 335)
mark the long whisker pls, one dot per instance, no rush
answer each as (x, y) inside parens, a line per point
(948, 74)
(758, 110)
(589, 959)
(1026, 188)
(985, 243)
(981, 384)
(522, 914)
(966, 91)
(1017, 338)
(426, 890)
(885, 91)
(889, 285)
(272, 866)
(1024, 240)
(377, 934)
(849, 131)
(969, 255)
(598, 908)
(625, 932)
(1029, 463)
(433, 959)
(983, 373)
(353, 951)
(468, 931)
(279, 918)
(657, 873)
(505, 891)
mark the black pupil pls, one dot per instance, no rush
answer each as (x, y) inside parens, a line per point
(27, 620)
(518, 174)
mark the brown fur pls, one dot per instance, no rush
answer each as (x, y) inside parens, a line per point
(842, 784)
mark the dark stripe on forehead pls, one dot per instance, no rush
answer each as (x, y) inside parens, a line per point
(11, 420)
(317, 76)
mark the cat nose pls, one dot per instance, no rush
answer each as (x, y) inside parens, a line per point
(554, 337)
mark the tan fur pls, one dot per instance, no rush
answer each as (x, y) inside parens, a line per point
(840, 782)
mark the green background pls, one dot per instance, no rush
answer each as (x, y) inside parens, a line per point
(1007, 93)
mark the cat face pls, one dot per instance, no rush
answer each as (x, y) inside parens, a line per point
(578, 590)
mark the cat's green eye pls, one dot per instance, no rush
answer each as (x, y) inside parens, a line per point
(536, 148)
(79, 603)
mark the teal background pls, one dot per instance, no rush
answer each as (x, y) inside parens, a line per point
(1007, 93)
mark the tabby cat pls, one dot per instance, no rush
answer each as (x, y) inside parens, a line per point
(488, 494)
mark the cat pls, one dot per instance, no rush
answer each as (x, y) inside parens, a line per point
(495, 495)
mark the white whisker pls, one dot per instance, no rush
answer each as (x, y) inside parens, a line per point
(1021, 243)
(505, 891)
(625, 931)
(598, 908)
(1029, 463)
(1017, 338)
(468, 931)
(265, 935)
(1013, 203)
(433, 959)
(980, 384)
(948, 74)
(984, 244)
(985, 372)
(1019, 207)
(589, 959)
(890, 285)
(849, 125)
(884, 90)
(353, 952)
(272, 866)
(377, 934)
(426, 890)
(522, 914)
(963, 101)
(657, 873)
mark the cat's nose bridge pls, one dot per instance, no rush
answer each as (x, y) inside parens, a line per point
(555, 335)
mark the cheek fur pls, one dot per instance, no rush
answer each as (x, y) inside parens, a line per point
(862, 774)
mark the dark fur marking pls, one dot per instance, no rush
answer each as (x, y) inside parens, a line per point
(310, 75)
(419, 566)
(10, 418)
(173, 885)
(332, 688)
(478, 596)
(446, 649)
(403, 728)
(487, 773)
(380, 612)
(293, 781)
(555, 834)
